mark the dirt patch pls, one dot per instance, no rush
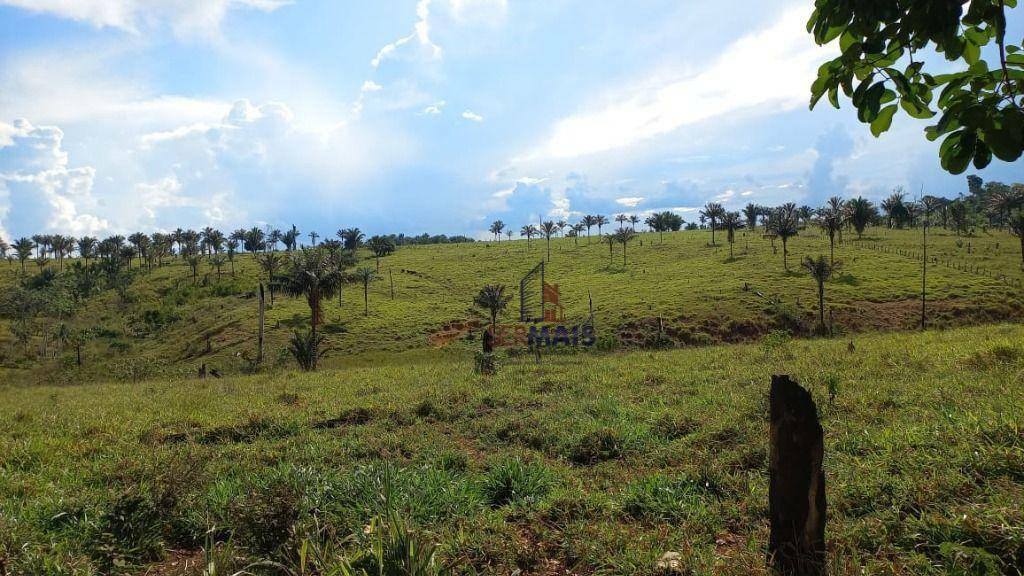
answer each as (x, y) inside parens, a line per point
(178, 563)
(452, 331)
(859, 316)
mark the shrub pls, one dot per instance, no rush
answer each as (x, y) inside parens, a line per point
(516, 482)
(262, 519)
(307, 349)
(129, 533)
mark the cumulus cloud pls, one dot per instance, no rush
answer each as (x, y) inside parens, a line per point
(38, 190)
(785, 66)
(472, 116)
(185, 17)
(434, 109)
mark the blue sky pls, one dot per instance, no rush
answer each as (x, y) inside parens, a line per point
(422, 115)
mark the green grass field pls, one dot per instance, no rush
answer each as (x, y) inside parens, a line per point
(695, 289)
(582, 464)
(589, 462)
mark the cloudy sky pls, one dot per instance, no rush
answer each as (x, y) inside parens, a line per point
(421, 115)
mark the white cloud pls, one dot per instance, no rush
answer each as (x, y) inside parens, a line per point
(434, 108)
(371, 86)
(490, 11)
(420, 33)
(185, 17)
(630, 201)
(38, 189)
(473, 116)
(767, 71)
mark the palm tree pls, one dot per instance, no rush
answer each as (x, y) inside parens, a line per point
(492, 298)
(314, 274)
(831, 221)
(751, 211)
(232, 245)
(217, 261)
(623, 235)
(290, 238)
(270, 262)
(86, 247)
(312, 238)
(549, 229)
(714, 212)
(575, 230)
(193, 259)
(860, 213)
(621, 219)
(254, 240)
(609, 239)
(895, 209)
(633, 221)
(365, 275)
(509, 233)
(599, 221)
(496, 227)
(529, 231)
(731, 221)
(352, 238)
(785, 224)
(380, 246)
(821, 270)
(589, 221)
(23, 247)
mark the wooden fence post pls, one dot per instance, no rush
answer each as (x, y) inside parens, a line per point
(259, 350)
(796, 492)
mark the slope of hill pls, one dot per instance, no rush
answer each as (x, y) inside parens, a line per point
(577, 465)
(695, 293)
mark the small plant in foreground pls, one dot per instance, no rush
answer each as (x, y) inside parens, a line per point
(514, 481)
(307, 349)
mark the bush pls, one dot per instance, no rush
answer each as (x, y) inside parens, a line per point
(129, 533)
(262, 519)
(516, 482)
(307, 349)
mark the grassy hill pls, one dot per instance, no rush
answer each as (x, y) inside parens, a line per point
(582, 464)
(166, 326)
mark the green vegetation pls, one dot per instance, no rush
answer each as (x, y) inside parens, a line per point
(583, 463)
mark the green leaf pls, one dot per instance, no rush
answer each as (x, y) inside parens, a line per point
(883, 121)
(915, 109)
(982, 155)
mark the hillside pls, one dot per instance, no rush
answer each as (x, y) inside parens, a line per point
(580, 464)
(166, 326)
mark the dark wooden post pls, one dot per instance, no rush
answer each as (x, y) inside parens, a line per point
(488, 341)
(796, 493)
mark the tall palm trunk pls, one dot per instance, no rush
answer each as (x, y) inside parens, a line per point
(549, 248)
(821, 304)
(785, 254)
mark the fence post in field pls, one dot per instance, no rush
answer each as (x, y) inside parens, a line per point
(796, 492)
(259, 350)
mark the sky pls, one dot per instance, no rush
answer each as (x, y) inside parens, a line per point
(419, 116)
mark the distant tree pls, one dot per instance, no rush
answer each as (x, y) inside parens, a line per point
(352, 238)
(662, 222)
(831, 222)
(381, 246)
(599, 221)
(820, 270)
(496, 227)
(509, 233)
(784, 223)
(548, 229)
(254, 240)
(958, 215)
(751, 212)
(896, 209)
(623, 235)
(714, 213)
(312, 238)
(23, 248)
(731, 221)
(575, 230)
(1017, 229)
(621, 219)
(366, 275)
(609, 239)
(232, 245)
(271, 263)
(290, 238)
(193, 260)
(493, 299)
(633, 221)
(87, 247)
(314, 274)
(529, 231)
(589, 221)
(217, 262)
(861, 212)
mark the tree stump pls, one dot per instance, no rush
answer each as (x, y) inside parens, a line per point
(796, 494)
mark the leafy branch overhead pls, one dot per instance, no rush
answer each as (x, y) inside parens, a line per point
(885, 47)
